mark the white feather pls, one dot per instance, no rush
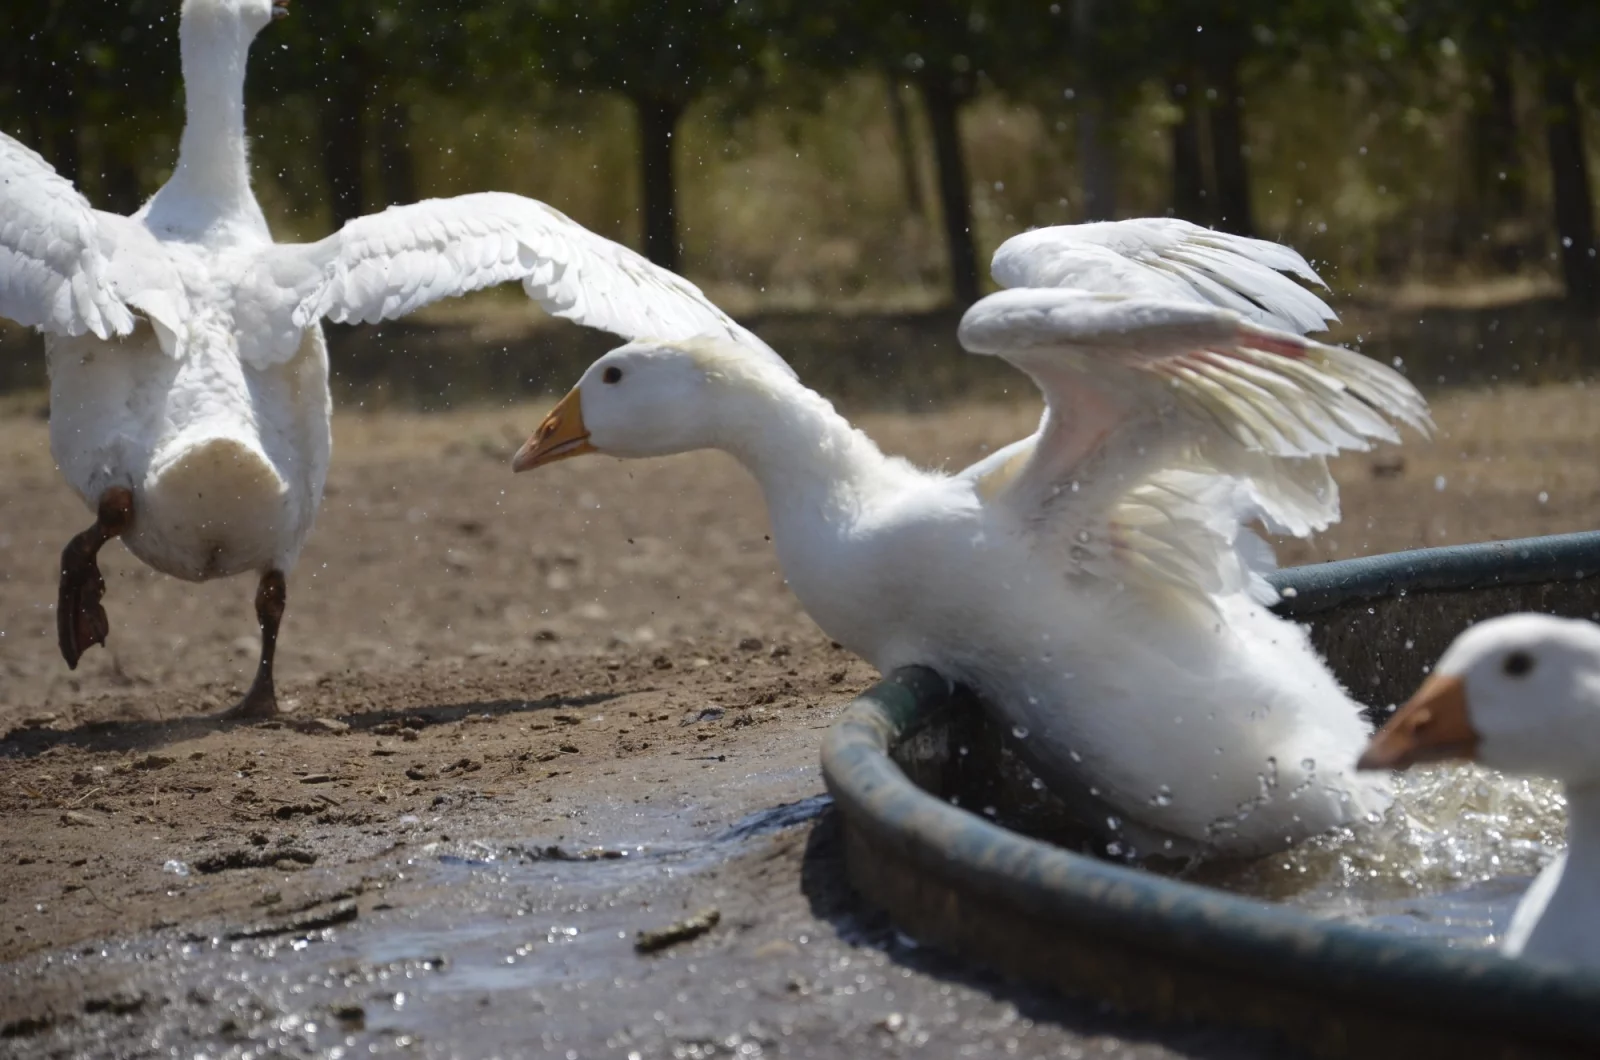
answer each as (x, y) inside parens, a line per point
(1165, 258)
(54, 263)
(395, 262)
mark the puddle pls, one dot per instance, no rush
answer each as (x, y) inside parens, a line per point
(602, 886)
(511, 945)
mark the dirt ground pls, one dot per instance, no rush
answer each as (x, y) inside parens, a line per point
(489, 676)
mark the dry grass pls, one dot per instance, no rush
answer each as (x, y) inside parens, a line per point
(1510, 461)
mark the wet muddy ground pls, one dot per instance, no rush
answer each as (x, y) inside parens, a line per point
(532, 717)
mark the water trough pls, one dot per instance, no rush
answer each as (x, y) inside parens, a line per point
(1173, 950)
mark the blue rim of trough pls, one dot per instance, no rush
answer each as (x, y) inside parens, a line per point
(1178, 952)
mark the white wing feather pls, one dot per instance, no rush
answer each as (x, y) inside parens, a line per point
(54, 269)
(1165, 258)
(389, 264)
(1153, 407)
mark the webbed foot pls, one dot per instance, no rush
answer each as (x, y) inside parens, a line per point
(81, 622)
(272, 595)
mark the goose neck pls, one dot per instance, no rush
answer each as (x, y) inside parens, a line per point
(797, 445)
(212, 178)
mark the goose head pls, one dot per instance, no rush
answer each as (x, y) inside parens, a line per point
(251, 16)
(1520, 694)
(648, 399)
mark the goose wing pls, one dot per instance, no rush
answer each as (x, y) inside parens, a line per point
(388, 264)
(1165, 420)
(54, 264)
(1165, 258)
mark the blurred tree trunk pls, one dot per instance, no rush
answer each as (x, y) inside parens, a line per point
(62, 145)
(119, 182)
(658, 122)
(1188, 165)
(1229, 151)
(1496, 185)
(344, 136)
(57, 105)
(398, 170)
(1096, 152)
(905, 147)
(1497, 133)
(1569, 186)
(944, 122)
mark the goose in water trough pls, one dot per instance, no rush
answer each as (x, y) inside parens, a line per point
(1093, 583)
(1521, 694)
(189, 402)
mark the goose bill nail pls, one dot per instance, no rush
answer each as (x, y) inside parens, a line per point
(1433, 726)
(562, 434)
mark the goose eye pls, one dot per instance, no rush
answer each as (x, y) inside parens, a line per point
(611, 375)
(1517, 664)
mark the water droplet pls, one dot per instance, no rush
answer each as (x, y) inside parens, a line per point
(1114, 823)
(1083, 537)
(1038, 785)
(1020, 732)
(1162, 797)
(988, 811)
(1308, 764)
(1075, 756)
(1439, 483)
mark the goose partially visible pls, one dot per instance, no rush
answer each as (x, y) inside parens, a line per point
(1521, 694)
(188, 373)
(1093, 582)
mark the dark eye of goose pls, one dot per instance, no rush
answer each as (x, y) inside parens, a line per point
(611, 375)
(1517, 664)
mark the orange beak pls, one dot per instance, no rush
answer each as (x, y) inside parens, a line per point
(562, 434)
(1433, 726)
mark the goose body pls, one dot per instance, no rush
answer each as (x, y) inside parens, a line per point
(1092, 582)
(188, 370)
(1521, 694)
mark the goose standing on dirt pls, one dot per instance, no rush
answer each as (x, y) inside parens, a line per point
(1521, 694)
(1093, 582)
(188, 373)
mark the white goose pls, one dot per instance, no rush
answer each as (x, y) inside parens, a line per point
(188, 373)
(1093, 582)
(1521, 694)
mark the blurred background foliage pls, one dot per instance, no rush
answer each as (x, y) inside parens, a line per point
(807, 153)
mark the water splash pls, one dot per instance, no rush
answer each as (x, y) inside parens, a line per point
(1454, 838)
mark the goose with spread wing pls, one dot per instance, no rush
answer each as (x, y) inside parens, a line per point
(188, 373)
(1094, 583)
